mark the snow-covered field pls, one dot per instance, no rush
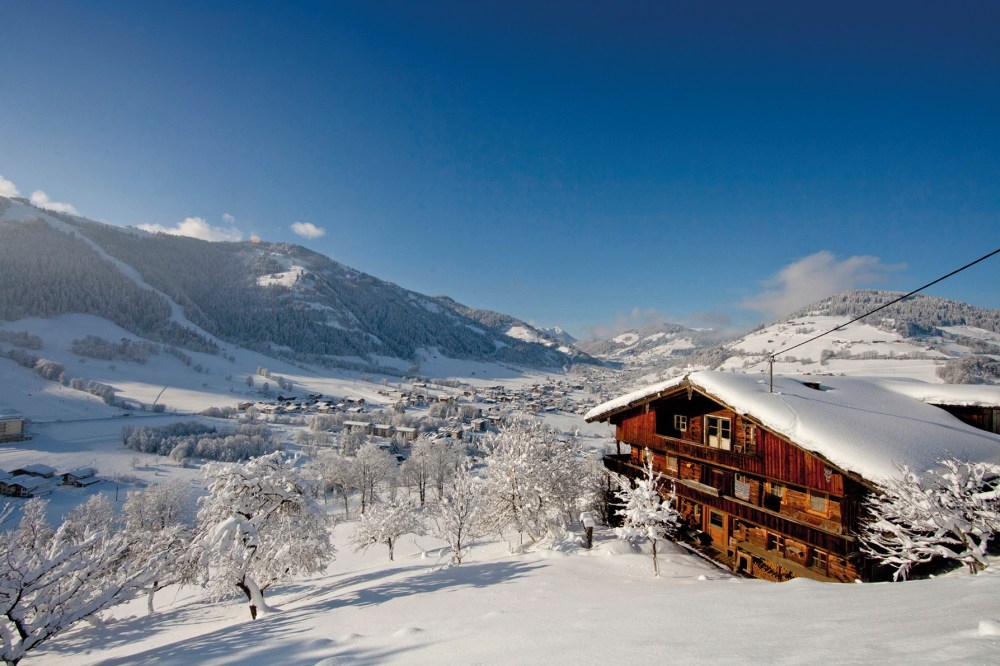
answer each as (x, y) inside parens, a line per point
(564, 605)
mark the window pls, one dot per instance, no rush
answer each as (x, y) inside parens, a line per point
(715, 519)
(718, 432)
(776, 542)
(818, 561)
(680, 422)
(818, 502)
(672, 464)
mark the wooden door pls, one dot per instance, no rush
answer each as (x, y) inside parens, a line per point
(718, 529)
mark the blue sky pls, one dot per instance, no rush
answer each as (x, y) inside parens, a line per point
(575, 164)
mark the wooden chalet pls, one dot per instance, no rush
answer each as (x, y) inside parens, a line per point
(771, 478)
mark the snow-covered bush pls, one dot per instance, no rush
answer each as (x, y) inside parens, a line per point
(950, 514)
(194, 439)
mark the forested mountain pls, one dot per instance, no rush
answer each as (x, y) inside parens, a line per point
(916, 316)
(274, 298)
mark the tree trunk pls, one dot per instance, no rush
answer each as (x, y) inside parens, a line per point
(656, 566)
(248, 586)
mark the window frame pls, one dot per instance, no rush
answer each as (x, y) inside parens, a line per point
(721, 424)
(680, 422)
(817, 495)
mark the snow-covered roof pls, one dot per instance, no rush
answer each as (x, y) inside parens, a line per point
(81, 472)
(870, 426)
(27, 481)
(37, 469)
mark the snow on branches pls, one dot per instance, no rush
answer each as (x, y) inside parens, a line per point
(536, 480)
(458, 518)
(51, 578)
(258, 526)
(645, 516)
(385, 523)
(950, 514)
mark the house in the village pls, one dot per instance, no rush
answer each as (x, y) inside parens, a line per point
(771, 477)
(383, 429)
(24, 485)
(357, 426)
(35, 469)
(407, 433)
(81, 477)
(11, 426)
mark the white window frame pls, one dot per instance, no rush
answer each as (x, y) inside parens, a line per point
(680, 422)
(720, 425)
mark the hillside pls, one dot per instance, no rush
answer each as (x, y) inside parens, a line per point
(926, 337)
(277, 299)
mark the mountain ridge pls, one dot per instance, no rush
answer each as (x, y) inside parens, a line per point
(275, 298)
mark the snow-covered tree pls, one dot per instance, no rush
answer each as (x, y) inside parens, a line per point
(51, 578)
(532, 479)
(458, 517)
(373, 466)
(645, 516)
(950, 514)
(385, 523)
(165, 513)
(337, 474)
(258, 526)
(431, 465)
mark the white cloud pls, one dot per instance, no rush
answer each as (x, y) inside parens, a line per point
(41, 199)
(7, 188)
(228, 219)
(196, 227)
(815, 277)
(308, 230)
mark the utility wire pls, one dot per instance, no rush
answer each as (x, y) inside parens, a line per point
(893, 302)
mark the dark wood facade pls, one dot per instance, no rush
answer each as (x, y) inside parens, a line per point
(760, 503)
(984, 418)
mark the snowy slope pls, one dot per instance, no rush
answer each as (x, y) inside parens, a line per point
(561, 606)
